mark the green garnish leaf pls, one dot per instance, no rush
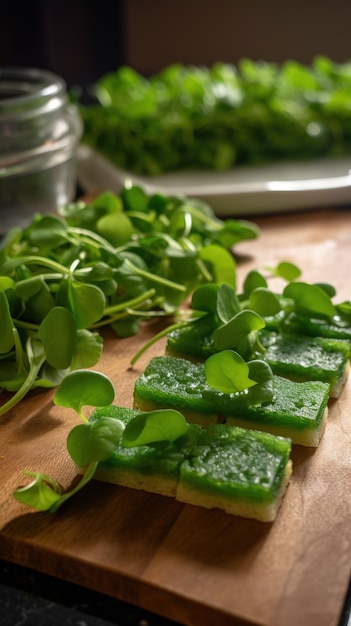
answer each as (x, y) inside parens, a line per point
(58, 334)
(84, 388)
(344, 309)
(164, 425)
(263, 391)
(241, 325)
(264, 302)
(7, 339)
(94, 441)
(86, 302)
(221, 262)
(227, 371)
(310, 300)
(42, 493)
(253, 280)
(228, 304)
(329, 289)
(286, 270)
(204, 298)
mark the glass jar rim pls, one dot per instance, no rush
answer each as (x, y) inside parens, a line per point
(24, 89)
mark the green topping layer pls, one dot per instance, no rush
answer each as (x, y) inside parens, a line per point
(312, 358)
(236, 461)
(336, 328)
(180, 384)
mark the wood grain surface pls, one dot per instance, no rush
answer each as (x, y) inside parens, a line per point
(192, 565)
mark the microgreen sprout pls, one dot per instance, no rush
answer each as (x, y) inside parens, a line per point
(229, 373)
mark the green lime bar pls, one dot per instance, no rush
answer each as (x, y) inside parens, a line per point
(243, 472)
(308, 358)
(298, 357)
(297, 410)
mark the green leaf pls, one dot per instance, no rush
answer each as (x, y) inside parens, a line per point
(234, 231)
(42, 493)
(329, 289)
(48, 231)
(94, 441)
(116, 228)
(134, 198)
(263, 391)
(6, 283)
(264, 302)
(286, 270)
(222, 264)
(253, 280)
(58, 334)
(164, 425)
(84, 388)
(310, 300)
(88, 349)
(39, 298)
(7, 338)
(87, 303)
(228, 304)
(108, 202)
(344, 309)
(241, 325)
(227, 372)
(204, 298)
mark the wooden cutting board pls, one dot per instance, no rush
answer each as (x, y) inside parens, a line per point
(186, 563)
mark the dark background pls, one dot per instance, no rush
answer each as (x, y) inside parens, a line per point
(82, 39)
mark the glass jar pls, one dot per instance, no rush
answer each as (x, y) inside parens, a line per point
(39, 135)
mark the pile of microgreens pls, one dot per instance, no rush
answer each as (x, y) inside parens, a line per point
(116, 261)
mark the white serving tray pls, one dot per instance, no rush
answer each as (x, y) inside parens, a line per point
(243, 191)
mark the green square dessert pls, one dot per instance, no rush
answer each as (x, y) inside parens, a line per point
(297, 357)
(303, 358)
(297, 410)
(243, 472)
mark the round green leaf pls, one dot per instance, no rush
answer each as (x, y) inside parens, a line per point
(241, 325)
(42, 493)
(84, 388)
(310, 300)
(87, 303)
(221, 262)
(94, 441)
(58, 334)
(227, 372)
(204, 298)
(253, 280)
(264, 302)
(154, 426)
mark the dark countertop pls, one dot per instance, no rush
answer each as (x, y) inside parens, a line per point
(29, 598)
(34, 599)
